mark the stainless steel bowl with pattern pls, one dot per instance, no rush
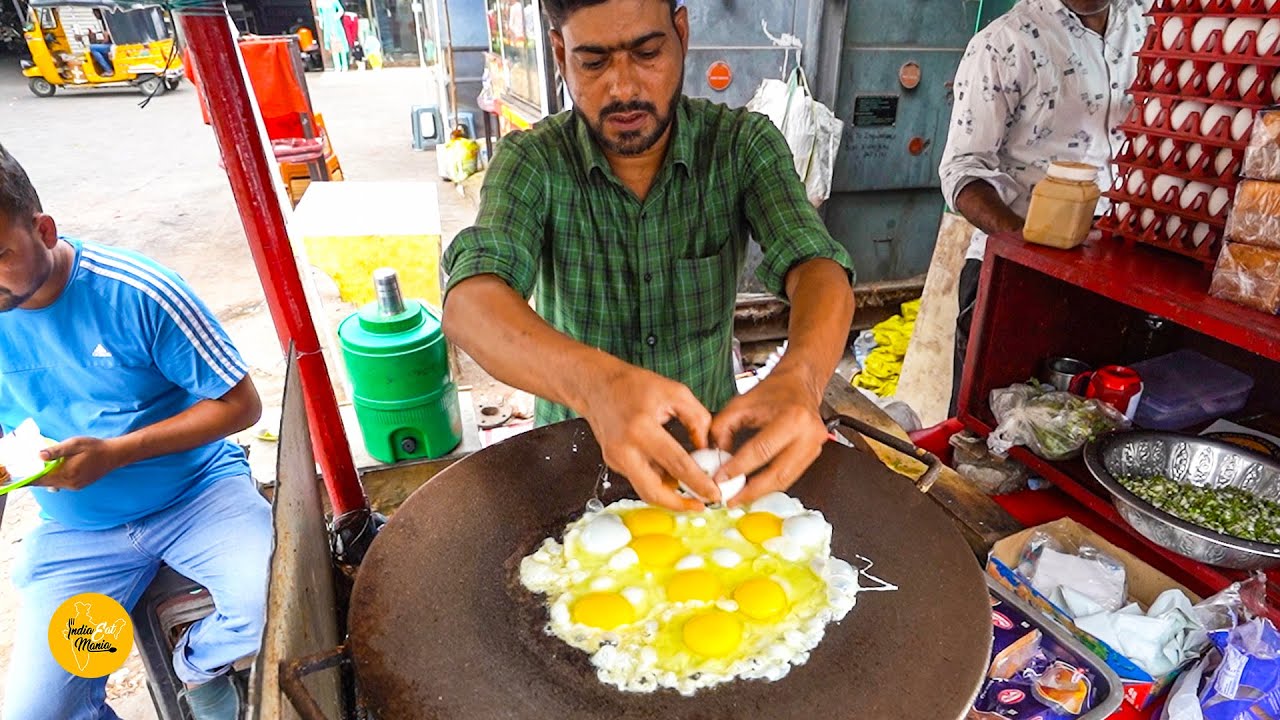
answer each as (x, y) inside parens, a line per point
(1190, 460)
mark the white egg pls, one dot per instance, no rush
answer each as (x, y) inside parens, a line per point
(1236, 31)
(1275, 85)
(1170, 32)
(726, 558)
(710, 460)
(1218, 201)
(1217, 73)
(1216, 113)
(1165, 188)
(1184, 111)
(1172, 226)
(1139, 145)
(603, 582)
(691, 562)
(1242, 124)
(1167, 148)
(1147, 218)
(1268, 37)
(1205, 27)
(1151, 112)
(624, 559)
(780, 504)
(734, 534)
(1223, 160)
(808, 529)
(605, 533)
(1246, 79)
(727, 605)
(1270, 4)
(698, 522)
(1136, 182)
(1199, 234)
(1188, 75)
(1123, 211)
(1193, 194)
(1194, 154)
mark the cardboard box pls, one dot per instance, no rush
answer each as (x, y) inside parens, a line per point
(1145, 584)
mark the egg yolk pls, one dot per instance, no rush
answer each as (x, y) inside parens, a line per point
(760, 599)
(657, 550)
(760, 526)
(713, 634)
(603, 610)
(649, 521)
(693, 585)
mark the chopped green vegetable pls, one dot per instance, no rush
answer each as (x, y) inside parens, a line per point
(1229, 510)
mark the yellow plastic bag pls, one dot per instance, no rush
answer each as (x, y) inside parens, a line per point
(462, 157)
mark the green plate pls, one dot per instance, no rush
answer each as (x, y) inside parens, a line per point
(48, 467)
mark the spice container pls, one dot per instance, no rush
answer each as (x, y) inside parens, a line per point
(1062, 206)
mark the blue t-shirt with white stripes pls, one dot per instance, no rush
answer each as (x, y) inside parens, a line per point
(126, 345)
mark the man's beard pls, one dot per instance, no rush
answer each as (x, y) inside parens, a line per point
(10, 300)
(632, 142)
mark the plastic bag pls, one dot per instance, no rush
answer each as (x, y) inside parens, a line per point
(1056, 566)
(1254, 215)
(1054, 425)
(1249, 276)
(812, 131)
(1262, 157)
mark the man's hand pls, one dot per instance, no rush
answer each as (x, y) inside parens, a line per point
(627, 413)
(85, 461)
(784, 409)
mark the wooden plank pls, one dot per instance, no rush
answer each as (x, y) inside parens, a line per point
(981, 520)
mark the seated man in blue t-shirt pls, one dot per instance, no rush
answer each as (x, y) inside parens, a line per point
(115, 358)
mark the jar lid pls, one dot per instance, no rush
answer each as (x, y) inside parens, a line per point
(1073, 171)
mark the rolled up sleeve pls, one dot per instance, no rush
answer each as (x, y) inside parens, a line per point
(988, 89)
(506, 239)
(782, 221)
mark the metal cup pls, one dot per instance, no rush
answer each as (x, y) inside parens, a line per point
(1059, 371)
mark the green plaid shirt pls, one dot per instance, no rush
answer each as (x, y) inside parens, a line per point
(651, 283)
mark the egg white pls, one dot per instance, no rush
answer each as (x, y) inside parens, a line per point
(649, 653)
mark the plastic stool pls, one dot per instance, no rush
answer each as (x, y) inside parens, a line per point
(428, 126)
(169, 604)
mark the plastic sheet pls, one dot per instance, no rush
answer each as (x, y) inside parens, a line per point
(1054, 425)
(1262, 157)
(1249, 276)
(1255, 216)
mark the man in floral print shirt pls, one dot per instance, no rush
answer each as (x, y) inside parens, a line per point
(1045, 82)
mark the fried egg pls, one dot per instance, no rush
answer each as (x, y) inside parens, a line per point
(685, 601)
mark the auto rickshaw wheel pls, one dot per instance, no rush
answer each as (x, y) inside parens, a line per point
(172, 83)
(41, 87)
(152, 86)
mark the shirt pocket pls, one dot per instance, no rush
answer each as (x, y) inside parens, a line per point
(703, 292)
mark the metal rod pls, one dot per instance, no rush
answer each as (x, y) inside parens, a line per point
(387, 286)
(250, 171)
(453, 82)
(292, 672)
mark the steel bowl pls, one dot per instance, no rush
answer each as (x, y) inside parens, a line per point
(1190, 460)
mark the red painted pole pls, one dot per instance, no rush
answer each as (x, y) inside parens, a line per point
(218, 67)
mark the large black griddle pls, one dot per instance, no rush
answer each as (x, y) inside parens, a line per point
(440, 626)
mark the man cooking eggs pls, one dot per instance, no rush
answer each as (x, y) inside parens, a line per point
(630, 216)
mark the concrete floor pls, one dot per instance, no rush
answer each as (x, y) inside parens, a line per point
(148, 179)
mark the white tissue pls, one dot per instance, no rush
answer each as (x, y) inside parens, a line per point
(1158, 641)
(20, 451)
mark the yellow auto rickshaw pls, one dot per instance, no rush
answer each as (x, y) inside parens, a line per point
(95, 43)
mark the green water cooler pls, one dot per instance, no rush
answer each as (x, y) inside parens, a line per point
(397, 358)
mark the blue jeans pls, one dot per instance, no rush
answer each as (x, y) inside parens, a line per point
(101, 52)
(221, 538)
